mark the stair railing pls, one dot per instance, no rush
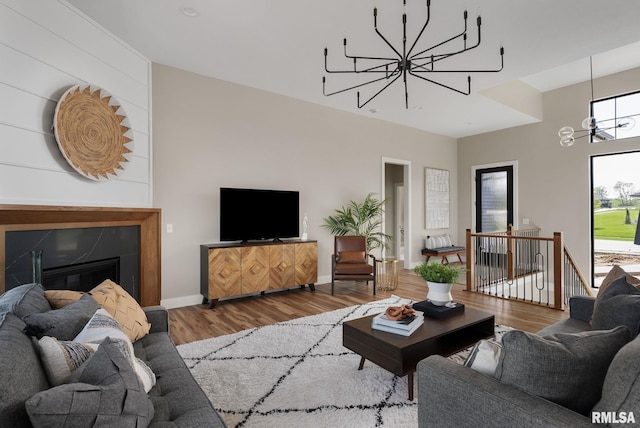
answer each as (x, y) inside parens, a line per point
(521, 265)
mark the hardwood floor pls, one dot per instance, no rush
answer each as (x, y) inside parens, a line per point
(198, 322)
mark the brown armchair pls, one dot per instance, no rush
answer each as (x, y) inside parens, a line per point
(349, 262)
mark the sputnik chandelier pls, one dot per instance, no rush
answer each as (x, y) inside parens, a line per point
(591, 126)
(404, 61)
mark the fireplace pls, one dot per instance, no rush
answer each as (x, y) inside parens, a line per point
(82, 276)
(74, 251)
(72, 236)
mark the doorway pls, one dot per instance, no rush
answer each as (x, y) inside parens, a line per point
(494, 199)
(396, 189)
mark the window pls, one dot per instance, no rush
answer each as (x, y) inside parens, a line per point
(616, 117)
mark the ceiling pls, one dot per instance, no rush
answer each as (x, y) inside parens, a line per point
(277, 46)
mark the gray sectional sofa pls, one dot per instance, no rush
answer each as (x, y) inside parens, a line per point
(454, 395)
(176, 400)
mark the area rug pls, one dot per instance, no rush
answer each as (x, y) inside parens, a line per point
(298, 374)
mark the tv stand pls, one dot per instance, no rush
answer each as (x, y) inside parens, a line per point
(238, 269)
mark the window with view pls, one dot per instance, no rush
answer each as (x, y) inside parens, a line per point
(616, 117)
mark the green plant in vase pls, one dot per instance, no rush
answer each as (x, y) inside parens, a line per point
(439, 277)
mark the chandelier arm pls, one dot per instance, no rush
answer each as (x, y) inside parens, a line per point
(440, 57)
(377, 93)
(445, 86)
(424, 27)
(365, 57)
(366, 70)
(415, 67)
(359, 85)
(446, 41)
(375, 27)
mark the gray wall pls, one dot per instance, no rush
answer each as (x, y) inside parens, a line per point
(554, 182)
(209, 133)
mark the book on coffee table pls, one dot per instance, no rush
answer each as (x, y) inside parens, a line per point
(403, 327)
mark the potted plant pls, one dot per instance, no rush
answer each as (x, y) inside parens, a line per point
(360, 219)
(439, 277)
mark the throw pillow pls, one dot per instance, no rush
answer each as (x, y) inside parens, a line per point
(618, 305)
(123, 308)
(60, 358)
(103, 325)
(24, 300)
(63, 324)
(621, 389)
(352, 257)
(105, 392)
(615, 273)
(484, 357)
(61, 298)
(568, 369)
(438, 241)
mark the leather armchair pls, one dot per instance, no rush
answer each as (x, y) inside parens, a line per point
(350, 261)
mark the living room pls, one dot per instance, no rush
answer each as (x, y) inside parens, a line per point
(195, 134)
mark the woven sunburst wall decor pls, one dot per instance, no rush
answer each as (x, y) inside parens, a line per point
(93, 132)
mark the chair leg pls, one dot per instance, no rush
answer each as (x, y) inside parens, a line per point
(332, 284)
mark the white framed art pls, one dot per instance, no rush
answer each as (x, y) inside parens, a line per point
(436, 186)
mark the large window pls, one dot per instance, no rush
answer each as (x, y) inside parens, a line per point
(616, 117)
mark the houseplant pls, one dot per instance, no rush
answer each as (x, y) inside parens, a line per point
(360, 219)
(439, 277)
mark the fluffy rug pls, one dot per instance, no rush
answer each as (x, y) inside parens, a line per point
(298, 374)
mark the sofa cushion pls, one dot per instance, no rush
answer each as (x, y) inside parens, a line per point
(64, 323)
(568, 369)
(104, 392)
(177, 398)
(621, 388)
(123, 307)
(24, 300)
(21, 374)
(61, 298)
(618, 305)
(103, 325)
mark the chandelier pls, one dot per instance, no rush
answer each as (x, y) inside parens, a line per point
(408, 60)
(590, 126)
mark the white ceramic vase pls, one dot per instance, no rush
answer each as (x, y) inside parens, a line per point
(439, 293)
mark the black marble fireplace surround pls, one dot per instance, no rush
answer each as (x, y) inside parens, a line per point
(74, 248)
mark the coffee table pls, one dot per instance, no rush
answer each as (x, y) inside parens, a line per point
(401, 354)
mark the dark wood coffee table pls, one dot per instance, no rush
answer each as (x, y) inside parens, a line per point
(400, 354)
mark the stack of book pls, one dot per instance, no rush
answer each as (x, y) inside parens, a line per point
(403, 327)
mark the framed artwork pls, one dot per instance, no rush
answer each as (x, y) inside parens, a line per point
(436, 186)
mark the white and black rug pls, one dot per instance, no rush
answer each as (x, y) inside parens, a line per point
(298, 374)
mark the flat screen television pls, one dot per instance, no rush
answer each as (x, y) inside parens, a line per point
(253, 214)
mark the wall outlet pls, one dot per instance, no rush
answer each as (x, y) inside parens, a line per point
(525, 221)
(169, 228)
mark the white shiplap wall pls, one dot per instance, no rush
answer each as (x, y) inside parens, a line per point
(47, 46)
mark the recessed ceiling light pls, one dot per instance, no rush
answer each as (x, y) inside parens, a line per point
(190, 12)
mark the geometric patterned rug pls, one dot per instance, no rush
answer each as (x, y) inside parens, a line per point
(297, 374)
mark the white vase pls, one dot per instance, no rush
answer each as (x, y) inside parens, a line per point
(439, 293)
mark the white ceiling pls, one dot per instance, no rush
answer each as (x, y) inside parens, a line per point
(277, 46)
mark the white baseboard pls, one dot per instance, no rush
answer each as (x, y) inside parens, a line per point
(179, 302)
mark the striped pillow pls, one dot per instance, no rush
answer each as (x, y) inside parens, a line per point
(438, 241)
